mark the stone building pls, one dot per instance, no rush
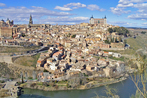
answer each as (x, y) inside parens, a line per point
(36, 26)
(6, 32)
(98, 21)
(117, 45)
(8, 23)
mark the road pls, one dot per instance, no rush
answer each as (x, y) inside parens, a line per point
(33, 52)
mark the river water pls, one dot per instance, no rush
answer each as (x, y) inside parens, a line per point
(124, 89)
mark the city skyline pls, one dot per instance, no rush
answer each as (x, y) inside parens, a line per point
(127, 13)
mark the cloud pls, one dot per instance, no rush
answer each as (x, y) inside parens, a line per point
(61, 23)
(138, 1)
(64, 20)
(21, 14)
(131, 1)
(67, 19)
(40, 11)
(124, 1)
(2, 5)
(138, 16)
(119, 11)
(142, 7)
(75, 5)
(94, 7)
(63, 8)
(125, 5)
(144, 24)
(70, 6)
(122, 23)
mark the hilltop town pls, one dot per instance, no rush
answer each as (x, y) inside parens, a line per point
(69, 51)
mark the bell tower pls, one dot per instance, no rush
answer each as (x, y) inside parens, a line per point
(30, 21)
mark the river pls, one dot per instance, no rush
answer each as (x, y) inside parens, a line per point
(124, 89)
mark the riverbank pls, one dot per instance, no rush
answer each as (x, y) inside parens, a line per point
(63, 86)
(124, 89)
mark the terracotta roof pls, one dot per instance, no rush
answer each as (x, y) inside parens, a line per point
(106, 52)
(57, 53)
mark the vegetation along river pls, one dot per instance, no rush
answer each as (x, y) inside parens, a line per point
(124, 89)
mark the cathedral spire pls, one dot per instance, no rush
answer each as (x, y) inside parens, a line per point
(30, 21)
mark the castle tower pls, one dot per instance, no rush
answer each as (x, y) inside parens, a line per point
(30, 21)
(91, 20)
(105, 21)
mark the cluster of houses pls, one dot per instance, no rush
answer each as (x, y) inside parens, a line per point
(84, 34)
(73, 48)
(60, 61)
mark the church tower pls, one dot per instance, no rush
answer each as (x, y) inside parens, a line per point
(30, 21)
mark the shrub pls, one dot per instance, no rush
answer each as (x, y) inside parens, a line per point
(143, 32)
(33, 84)
(73, 36)
(30, 78)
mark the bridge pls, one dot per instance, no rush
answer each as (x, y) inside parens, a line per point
(13, 89)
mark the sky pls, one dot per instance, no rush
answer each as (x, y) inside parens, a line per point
(127, 13)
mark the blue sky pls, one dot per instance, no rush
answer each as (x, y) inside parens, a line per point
(127, 13)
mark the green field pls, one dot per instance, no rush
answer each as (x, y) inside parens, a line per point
(138, 42)
(5, 49)
(27, 60)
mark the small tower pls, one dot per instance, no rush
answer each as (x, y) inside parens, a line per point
(8, 21)
(105, 17)
(91, 17)
(105, 21)
(30, 21)
(91, 21)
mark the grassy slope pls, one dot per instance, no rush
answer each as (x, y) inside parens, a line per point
(135, 44)
(4, 49)
(139, 42)
(27, 61)
(5, 71)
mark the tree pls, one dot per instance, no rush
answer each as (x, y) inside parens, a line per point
(74, 82)
(51, 83)
(110, 30)
(119, 30)
(120, 39)
(34, 75)
(73, 36)
(23, 35)
(110, 91)
(26, 76)
(125, 42)
(21, 75)
(107, 42)
(112, 39)
(140, 79)
(143, 32)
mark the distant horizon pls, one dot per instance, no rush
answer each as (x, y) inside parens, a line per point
(80, 23)
(126, 13)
